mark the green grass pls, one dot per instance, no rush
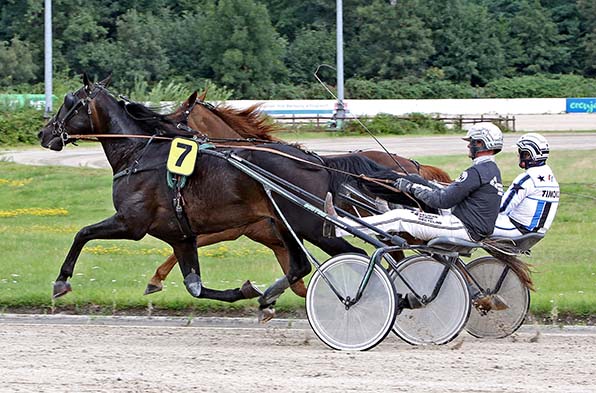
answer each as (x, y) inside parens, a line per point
(110, 276)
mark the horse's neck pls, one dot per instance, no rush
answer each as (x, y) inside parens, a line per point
(121, 152)
(203, 120)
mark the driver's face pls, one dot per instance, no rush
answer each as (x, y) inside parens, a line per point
(523, 155)
(471, 145)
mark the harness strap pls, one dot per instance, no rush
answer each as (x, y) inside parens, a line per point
(178, 203)
(381, 182)
(133, 169)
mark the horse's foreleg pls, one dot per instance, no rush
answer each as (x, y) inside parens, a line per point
(110, 228)
(186, 253)
(155, 283)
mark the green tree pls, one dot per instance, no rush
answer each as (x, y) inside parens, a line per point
(566, 15)
(532, 38)
(310, 49)
(588, 38)
(290, 17)
(138, 51)
(16, 63)
(466, 41)
(242, 49)
(391, 41)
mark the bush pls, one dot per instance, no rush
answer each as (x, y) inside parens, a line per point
(387, 124)
(541, 86)
(20, 125)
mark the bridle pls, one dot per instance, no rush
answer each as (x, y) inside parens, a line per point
(60, 126)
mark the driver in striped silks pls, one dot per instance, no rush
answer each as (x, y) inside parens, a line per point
(530, 203)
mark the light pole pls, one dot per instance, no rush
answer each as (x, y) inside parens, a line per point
(47, 28)
(340, 112)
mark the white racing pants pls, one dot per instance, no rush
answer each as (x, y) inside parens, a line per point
(505, 228)
(423, 226)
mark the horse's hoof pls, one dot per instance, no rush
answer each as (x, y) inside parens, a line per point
(266, 314)
(498, 303)
(193, 284)
(61, 288)
(249, 291)
(152, 289)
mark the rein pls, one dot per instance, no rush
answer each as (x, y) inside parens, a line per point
(96, 137)
(381, 182)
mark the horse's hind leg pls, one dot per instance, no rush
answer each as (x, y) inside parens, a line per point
(110, 228)
(186, 253)
(299, 268)
(266, 233)
(155, 283)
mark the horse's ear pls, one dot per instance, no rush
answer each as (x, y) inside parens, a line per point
(106, 82)
(203, 94)
(86, 81)
(192, 99)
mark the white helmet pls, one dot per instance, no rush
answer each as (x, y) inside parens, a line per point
(535, 144)
(488, 133)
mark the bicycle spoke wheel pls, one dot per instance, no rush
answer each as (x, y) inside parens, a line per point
(441, 320)
(364, 324)
(513, 293)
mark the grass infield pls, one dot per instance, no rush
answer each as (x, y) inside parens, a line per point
(42, 208)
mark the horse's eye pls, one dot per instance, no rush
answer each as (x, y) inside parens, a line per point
(69, 100)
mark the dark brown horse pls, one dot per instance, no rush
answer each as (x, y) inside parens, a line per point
(136, 145)
(252, 124)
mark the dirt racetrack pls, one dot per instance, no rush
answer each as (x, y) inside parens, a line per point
(98, 354)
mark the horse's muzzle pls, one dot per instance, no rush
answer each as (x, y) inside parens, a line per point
(50, 140)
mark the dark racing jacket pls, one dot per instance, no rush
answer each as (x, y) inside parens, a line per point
(474, 197)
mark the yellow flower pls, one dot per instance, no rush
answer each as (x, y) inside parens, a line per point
(33, 211)
(15, 183)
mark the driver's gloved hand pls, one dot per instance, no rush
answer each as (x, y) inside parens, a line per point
(404, 185)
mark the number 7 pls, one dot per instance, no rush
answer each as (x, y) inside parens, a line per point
(187, 149)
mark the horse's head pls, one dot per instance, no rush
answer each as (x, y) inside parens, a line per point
(180, 115)
(74, 115)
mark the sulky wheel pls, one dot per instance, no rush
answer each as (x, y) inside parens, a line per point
(362, 325)
(513, 300)
(441, 319)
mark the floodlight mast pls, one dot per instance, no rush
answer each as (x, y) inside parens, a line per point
(47, 28)
(339, 111)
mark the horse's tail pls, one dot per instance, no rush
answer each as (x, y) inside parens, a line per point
(430, 172)
(519, 267)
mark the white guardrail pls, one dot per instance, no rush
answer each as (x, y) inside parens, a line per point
(514, 106)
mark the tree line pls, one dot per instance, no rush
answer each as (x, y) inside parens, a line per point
(269, 49)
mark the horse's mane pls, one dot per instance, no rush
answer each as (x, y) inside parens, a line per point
(152, 121)
(249, 123)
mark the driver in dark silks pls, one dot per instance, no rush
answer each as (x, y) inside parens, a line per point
(474, 198)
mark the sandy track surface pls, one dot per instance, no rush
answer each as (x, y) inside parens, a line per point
(104, 355)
